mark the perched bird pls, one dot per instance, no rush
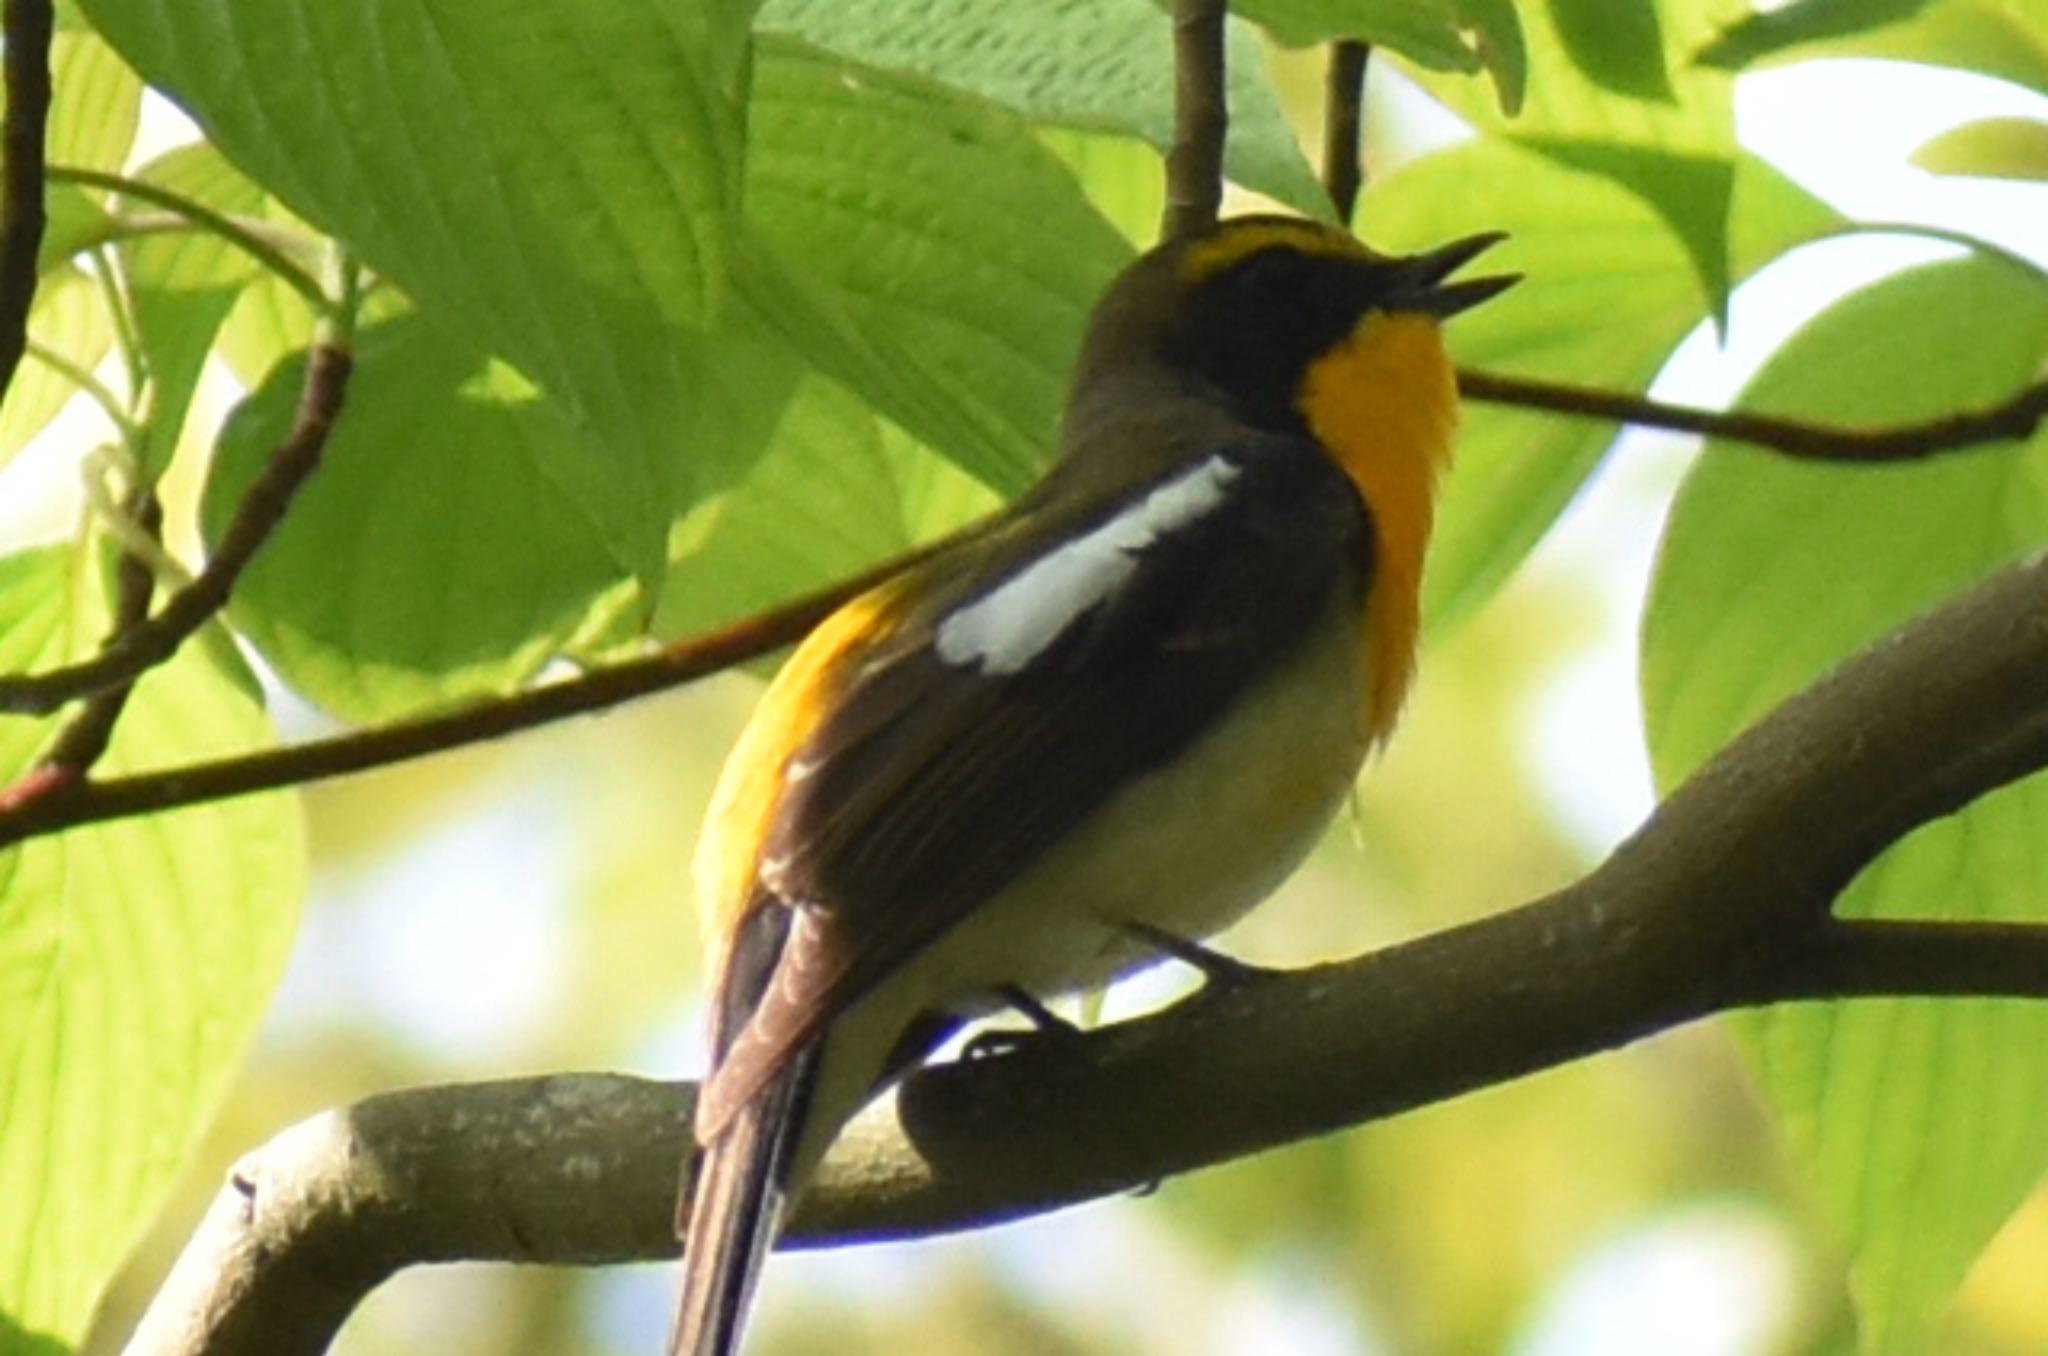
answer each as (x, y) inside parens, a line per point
(1121, 710)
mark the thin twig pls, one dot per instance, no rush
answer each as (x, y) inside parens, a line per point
(1201, 118)
(248, 237)
(26, 38)
(2012, 418)
(261, 508)
(81, 743)
(32, 810)
(1344, 124)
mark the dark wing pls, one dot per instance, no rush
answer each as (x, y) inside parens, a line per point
(977, 737)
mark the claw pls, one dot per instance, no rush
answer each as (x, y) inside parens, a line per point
(1219, 972)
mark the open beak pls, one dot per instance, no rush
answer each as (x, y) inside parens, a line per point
(1422, 285)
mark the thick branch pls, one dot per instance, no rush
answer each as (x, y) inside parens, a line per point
(2013, 418)
(1201, 118)
(1720, 899)
(150, 642)
(26, 40)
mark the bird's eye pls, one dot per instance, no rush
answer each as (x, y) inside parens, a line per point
(1268, 274)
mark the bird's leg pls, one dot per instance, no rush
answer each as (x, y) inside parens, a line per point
(1045, 1025)
(1219, 972)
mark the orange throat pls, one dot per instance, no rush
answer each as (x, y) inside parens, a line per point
(1384, 403)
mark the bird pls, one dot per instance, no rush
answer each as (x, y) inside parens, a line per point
(1112, 716)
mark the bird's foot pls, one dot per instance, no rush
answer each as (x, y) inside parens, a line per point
(1045, 1025)
(1220, 973)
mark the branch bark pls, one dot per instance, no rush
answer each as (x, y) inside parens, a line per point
(1720, 900)
(28, 29)
(1201, 118)
(1344, 125)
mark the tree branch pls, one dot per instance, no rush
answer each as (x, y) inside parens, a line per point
(79, 744)
(1201, 118)
(1344, 125)
(151, 641)
(2013, 418)
(1719, 900)
(26, 39)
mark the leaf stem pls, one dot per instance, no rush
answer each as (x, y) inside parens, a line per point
(250, 241)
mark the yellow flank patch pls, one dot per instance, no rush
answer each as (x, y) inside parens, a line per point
(1242, 239)
(743, 805)
(1385, 404)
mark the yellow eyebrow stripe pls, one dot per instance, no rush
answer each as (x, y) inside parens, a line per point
(1240, 240)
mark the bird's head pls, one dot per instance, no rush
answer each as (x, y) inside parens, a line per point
(1241, 312)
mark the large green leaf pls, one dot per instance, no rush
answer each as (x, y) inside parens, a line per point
(182, 285)
(1424, 31)
(854, 175)
(1921, 1124)
(2005, 39)
(1621, 97)
(70, 319)
(821, 505)
(449, 543)
(1607, 295)
(95, 103)
(135, 961)
(559, 183)
(1104, 65)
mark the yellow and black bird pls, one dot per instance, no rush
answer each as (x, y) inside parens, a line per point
(1121, 710)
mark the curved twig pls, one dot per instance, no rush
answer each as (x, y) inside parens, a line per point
(2015, 417)
(152, 640)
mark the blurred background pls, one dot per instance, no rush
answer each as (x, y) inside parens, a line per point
(525, 907)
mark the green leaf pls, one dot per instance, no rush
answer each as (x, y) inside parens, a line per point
(820, 505)
(558, 183)
(1691, 194)
(1424, 31)
(1101, 65)
(1607, 294)
(2005, 39)
(136, 959)
(1594, 104)
(182, 285)
(1120, 174)
(854, 175)
(95, 103)
(1920, 1124)
(69, 318)
(1990, 148)
(1617, 47)
(1503, 49)
(448, 545)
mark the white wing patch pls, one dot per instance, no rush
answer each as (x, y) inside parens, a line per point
(1006, 629)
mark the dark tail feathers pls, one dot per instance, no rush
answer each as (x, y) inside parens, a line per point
(734, 1204)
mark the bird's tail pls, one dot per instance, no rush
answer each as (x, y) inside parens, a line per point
(738, 1185)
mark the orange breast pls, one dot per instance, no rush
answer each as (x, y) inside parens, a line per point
(1385, 402)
